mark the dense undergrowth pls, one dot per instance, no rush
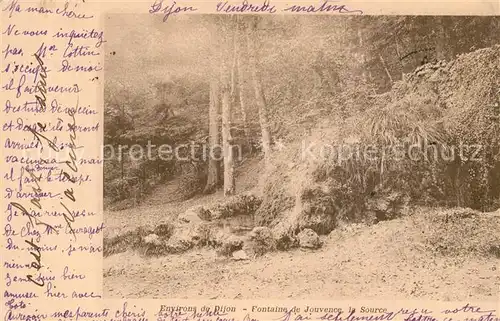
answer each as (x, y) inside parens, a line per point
(438, 117)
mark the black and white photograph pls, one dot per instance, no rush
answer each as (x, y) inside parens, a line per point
(319, 157)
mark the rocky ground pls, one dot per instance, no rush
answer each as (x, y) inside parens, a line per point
(402, 258)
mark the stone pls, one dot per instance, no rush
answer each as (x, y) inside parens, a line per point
(164, 231)
(186, 237)
(152, 239)
(309, 239)
(282, 237)
(240, 255)
(230, 245)
(195, 214)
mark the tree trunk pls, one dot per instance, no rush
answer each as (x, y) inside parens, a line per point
(440, 40)
(241, 92)
(259, 96)
(229, 183)
(213, 132)
(363, 55)
(385, 68)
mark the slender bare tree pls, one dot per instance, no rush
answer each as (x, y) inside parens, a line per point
(213, 132)
(257, 85)
(242, 83)
(227, 99)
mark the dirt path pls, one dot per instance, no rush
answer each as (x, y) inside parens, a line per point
(165, 203)
(380, 262)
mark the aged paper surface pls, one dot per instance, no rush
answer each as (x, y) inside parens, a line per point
(121, 199)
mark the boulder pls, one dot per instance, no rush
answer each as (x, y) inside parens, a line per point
(309, 239)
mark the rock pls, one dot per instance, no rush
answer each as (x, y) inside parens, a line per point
(178, 245)
(282, 237)
(188, 236)
(230, 245)
(309, 239)
(240, 255)
(243, 204)
(195, 214)
(164, 231)
(152, 239)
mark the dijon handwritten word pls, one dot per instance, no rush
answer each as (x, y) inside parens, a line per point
(13, 7)
(245, 7)
(173, 9)
(325, 7)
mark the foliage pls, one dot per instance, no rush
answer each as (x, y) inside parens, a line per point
(341, 80)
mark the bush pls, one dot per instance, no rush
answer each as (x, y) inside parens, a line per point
(244, 204)
(259, 242)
